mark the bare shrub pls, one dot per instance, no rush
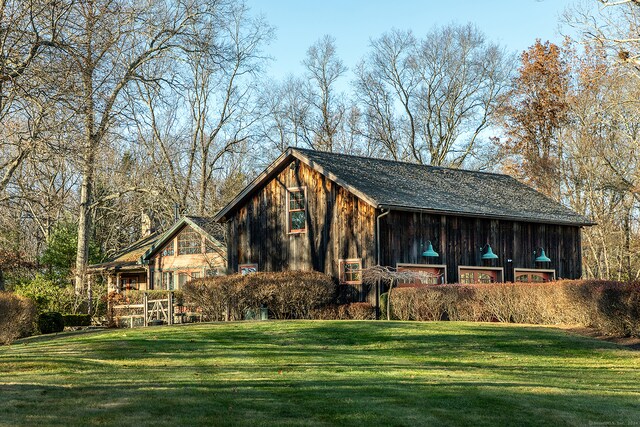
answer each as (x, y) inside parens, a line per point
(611, 307)
(288, 295)
(361, 311)
(18, 317)
(327, 312)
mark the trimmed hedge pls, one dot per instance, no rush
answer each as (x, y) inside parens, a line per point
(353, 311)
(288, 295)
(17, 317)
(611, 307)
(76, 320)
(50, 322)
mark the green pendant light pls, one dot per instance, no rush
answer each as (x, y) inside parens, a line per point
(489, 254)
(543, 257)
(430, 252)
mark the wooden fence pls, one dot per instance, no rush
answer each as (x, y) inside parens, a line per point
(153, 312)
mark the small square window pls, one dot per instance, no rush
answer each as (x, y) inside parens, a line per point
(350, 271)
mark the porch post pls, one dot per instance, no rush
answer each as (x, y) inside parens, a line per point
(170, 308)
(145, 303)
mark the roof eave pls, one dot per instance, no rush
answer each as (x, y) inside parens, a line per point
(488, 216)
(248, 190)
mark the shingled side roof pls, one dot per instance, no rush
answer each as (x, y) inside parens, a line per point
(399, 185)
(130, 256)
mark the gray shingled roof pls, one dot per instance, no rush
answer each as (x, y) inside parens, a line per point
(409, 186)
(130, 256)
(412, 186)
(208, 225)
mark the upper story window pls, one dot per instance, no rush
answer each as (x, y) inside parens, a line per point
(189, 242)
(297, 209)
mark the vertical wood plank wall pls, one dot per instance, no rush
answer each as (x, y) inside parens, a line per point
(458, 241)
(339, 226)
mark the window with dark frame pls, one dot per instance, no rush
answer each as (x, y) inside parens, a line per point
(351, 271)
(297, 210)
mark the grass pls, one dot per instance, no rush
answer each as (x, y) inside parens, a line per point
(320, 373)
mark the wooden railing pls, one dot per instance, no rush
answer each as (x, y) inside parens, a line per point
(156, 311)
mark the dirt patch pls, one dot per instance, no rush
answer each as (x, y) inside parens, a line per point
(629, 342)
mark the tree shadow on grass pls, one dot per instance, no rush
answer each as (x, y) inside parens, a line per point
(307, 373)
(284, 401)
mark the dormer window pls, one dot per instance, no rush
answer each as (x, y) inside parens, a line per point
(297, 209)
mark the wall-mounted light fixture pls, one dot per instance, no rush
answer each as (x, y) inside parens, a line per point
(430, 252)
(489, 253)
(542, 257)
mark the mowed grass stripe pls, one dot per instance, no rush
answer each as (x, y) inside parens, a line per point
(320, 373)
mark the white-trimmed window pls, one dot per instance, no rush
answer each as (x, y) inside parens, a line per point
(350, 271)
(167, 281)
(297, 209)
(425, 274)
(468, 275)
(182, 279)
(533, 275)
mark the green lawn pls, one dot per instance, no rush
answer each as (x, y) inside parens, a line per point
(320, 373)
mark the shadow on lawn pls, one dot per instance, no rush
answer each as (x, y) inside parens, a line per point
(386, 401)
(317, 373)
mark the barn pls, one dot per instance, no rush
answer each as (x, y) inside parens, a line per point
(339, 214)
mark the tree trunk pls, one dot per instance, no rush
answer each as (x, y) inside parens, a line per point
(84, 218)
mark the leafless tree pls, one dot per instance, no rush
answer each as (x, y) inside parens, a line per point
(192, 130)
(429, 100)
(324, 68)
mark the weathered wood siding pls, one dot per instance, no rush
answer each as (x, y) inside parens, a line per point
(339, 226)
(458, 241)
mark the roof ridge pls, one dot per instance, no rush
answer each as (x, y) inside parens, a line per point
(401, 162)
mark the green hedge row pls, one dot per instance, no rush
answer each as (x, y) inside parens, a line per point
(611, 307)
(71, 320)
(50, 322)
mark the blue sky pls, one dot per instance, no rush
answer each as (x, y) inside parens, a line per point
(299, 23)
